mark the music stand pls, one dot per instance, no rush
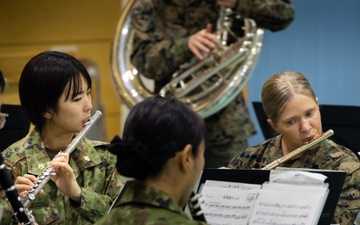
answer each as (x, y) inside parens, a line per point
(344, 120)
(16, 127)
(335, 179)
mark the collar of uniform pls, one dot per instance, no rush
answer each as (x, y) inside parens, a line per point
(138, 193)
(276, 146)
(35, 152)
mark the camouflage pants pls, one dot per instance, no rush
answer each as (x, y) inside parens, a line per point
(220, 155)
(227, 133)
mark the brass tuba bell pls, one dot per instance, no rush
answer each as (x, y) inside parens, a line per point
(206, 86)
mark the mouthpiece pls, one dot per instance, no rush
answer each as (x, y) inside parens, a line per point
(87, 122)
(307, 142)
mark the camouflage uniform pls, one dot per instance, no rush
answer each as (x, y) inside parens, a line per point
(95, 171)
(162, 29)
(325, 155)
(144, 205)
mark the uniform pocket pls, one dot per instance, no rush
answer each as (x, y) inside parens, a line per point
(43, 210)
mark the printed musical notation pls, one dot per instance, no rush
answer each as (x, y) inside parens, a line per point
(270, 222)
(232, 207)
(226, 203)
(285, 206)
(282, 214)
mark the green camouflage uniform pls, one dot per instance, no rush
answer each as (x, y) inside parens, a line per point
(325, 155)
(144, 205)
(95, 171)
(162, 29)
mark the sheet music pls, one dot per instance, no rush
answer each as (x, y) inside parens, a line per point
(236, 185)
(301, 178)
(288, 207)
(289, 198)
(227, 206)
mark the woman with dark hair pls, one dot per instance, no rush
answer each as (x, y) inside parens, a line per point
(55, 94)
(163, 150)
(292, 109)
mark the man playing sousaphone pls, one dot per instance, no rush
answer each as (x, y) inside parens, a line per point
(168, 34)
(293, 111)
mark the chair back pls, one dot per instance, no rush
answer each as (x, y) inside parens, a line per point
(16, 127)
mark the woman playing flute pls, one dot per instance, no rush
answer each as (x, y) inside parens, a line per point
(55, 94)
(293, 111)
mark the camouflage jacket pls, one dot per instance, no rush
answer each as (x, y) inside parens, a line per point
(325, 155)
(143, 205)
(95, 171)
(162, 29)
(161, 32)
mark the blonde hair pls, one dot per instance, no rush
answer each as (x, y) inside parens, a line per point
(279, 89)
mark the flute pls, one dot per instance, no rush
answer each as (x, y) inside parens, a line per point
(21, 214)
(297, 151)
(45, 176)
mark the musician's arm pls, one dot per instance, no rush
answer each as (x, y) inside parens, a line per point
(349, 201)
(95, 203)
(269, 14)
(157, 50)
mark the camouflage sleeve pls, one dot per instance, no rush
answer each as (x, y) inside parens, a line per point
(349, 201)
(151, 41)
(94, 205)
(241, 161)
(269, 14)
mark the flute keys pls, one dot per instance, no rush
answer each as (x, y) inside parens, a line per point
(31, 197)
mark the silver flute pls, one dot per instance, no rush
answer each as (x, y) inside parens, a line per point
(297, 151)
(45, 176)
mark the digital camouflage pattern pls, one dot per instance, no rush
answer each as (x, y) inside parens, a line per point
(162, 29)
(325, 155)
(144, 205)
(94, 168)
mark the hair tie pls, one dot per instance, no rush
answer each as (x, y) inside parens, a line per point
(128, 147)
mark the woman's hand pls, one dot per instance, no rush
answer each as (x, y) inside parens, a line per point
(65, 178)
(25, 183)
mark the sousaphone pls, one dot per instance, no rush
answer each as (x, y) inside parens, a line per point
(206, 86)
